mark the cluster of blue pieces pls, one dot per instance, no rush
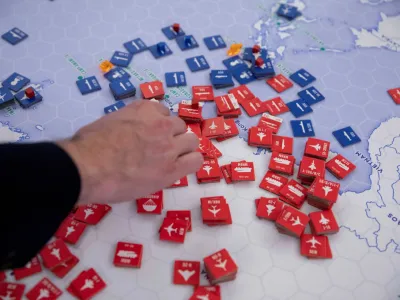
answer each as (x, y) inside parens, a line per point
(243, 68)
(15, 83)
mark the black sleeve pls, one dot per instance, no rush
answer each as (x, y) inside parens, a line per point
(39, 185)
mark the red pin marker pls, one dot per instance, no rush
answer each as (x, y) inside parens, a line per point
(256, 48)
(176, 27)
(30, 93)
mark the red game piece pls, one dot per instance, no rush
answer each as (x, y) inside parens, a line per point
(220, 267)
(230, 114)
(323, 193)
(260, 137)
(209, 172)
(273, 182)
(11, 291)
(202, 93)
(187, 272)
(193, 128)
(309, 169)
(44, 289)
(91, 213)
(31, 268)
(215, 211)
(269, 208)
(128, 255)
(253, 107)
(63, 269)
(173, 230)
(70, 230)
(55, 253)
(256, 49)
(226, 103)
(293, 193)
(279, 83)
(207, 292)
(180, 183)
(87, 284)
(212, 128)
(242, 93)
(323, 222)
(292, 221)
(271, 122)
(317, 148)
(214, 152)
(176, 27)
(259, 61)
(340, 167)
(205, 147)
(282, 144)
(30, 92)
(226, 171)
(282, 163)
(395, 94)
(152, 89)
(314, 246)
(185, 215)
(242, 171)
(2, 276)
(190, 112)
(276, 106)
(230, 130)
(153, 204)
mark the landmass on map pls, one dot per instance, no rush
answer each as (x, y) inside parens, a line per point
(9, 134)
(374, 214)
(386, 35)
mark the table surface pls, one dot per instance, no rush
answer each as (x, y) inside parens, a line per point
(350, 46)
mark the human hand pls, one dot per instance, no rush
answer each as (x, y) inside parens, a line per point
(132, 153)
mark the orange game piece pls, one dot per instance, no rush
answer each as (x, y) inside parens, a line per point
(106, 66)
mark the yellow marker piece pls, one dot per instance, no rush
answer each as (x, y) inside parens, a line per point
(235, 49)
(106, 66)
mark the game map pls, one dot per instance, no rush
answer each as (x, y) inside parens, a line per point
(351, 47)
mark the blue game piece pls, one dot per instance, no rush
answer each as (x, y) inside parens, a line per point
(264, 71)
(302, 128)
(160, 50)
(197, 63)
(15, 82)
(248, 54)
(234, 62)
(111, 108)
(214, 42)
(171, 34)
(14, 36)
(299, 108)
(346, 136)
(187, 42)
(243, 75)
(121, 59)
(288, 11)
(6, 97)
(116, 74)
(122, 89)
(311, 95)
(302, 77)
(221, 78)
(88, 85)
(135, 46)
(26, 102)
(175, 79)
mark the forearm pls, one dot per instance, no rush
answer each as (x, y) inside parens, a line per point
(40, 185)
